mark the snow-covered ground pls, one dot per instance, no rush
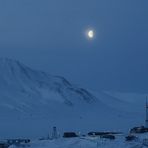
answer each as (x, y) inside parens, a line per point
(87, 142)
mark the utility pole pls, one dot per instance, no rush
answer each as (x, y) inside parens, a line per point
(146, 119)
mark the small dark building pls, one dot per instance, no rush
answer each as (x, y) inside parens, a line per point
(140, 129)
(102, 133)
(27, 140)
(131, 138)
(70, 135)
(109, 136)
(17, 141)
(97, 133)
(4, 145)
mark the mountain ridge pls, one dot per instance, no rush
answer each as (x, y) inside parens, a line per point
(19, 78)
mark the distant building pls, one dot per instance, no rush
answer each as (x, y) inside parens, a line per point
(140, 129)
(109, 136)
(130, 138)
(70, 135)
(4, 145)
(17, 141)
(103, 133)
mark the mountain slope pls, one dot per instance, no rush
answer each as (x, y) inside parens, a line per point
(31, 102)
(23, 84)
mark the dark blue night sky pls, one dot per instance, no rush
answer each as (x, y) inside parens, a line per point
(50, 35)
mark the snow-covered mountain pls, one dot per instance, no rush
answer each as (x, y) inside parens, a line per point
(22, 88)
(32, 101)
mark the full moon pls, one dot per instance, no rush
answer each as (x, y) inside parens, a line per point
(90, 34)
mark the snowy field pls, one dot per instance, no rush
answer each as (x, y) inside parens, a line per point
(86, 142)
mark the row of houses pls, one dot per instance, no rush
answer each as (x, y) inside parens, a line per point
(109, 135)
(6, 143)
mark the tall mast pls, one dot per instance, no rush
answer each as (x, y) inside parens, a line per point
(146, 119)
(54, 133)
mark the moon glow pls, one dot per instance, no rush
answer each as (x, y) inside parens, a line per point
(90, 34)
